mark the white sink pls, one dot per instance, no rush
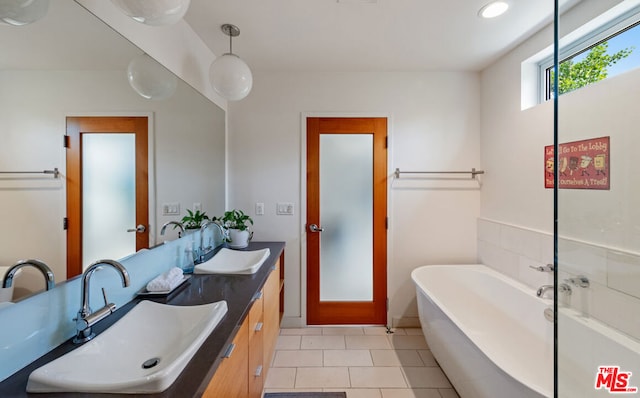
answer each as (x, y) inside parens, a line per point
(228, 261)
(113, 361)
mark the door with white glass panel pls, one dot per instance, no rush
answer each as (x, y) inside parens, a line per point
(346, 221)
(107, 189)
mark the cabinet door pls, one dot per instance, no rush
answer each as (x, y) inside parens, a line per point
(256, 331)
(230, 379)
(271, 315)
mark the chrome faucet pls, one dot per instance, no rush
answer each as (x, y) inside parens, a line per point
(203, 228)
(87, 318)
(562, 288)
(176, 223)
(543, 289)
(39, 265)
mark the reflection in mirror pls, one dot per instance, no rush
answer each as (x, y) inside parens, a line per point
(69, 63)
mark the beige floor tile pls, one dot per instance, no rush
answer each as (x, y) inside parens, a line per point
(347, 358)
(266, 390)
(427, 357)
(288, 343)
(322, 343)
(297, 358)
(331, 377)
(413, 331)
(448, 393)
(376, 377)
(367, 342)
(396, 358)
(426, 377)
(280, 378)
(342, 331)
(376, 330)
(408, 342)
(300, 331)
(358, 392)
(410, 393)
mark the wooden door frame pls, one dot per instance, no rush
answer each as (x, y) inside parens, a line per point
(302, 320)
(151, 171)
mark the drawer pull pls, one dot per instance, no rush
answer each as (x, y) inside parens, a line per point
(258, 372)
(257, 296)
(258, 326)
(229, 351)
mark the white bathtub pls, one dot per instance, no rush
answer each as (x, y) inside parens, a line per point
(487, 332)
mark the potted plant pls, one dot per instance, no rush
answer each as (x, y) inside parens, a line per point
(193, 220)
(236, 222)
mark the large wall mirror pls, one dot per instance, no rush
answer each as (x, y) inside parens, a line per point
(72, 64)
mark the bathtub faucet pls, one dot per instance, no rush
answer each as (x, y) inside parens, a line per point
(563, 288)
(543, 289)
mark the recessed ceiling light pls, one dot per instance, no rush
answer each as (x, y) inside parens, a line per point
(493, 9)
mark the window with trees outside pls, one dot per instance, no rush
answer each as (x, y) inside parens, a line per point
(613, 49)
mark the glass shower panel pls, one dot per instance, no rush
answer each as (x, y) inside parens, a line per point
(108, 196)
(346, 215)
(598, 224)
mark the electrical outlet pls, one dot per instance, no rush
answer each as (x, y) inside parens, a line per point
(259, 209)
(171, 209)
(284, 208)
(197, 206)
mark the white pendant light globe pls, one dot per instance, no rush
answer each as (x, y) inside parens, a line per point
(22, 12)
(150, 79)
(154, 12)
(231, 77)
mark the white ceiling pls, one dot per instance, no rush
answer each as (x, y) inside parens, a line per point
(358, 35)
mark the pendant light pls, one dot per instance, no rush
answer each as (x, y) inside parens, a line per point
(150, 79)
(22, 12)
(230, 75)
(154, 12)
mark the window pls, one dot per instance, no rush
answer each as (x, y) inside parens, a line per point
(610, 50)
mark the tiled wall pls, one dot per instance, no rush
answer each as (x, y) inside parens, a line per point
(614, 275)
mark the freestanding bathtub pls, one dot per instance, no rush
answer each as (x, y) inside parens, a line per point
(488, 332)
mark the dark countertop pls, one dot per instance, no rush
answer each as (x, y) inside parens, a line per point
(237, 290)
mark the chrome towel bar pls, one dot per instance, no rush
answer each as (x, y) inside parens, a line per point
(55, 172)
(473, 172)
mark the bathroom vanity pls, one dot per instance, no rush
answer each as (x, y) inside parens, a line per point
(233, 361)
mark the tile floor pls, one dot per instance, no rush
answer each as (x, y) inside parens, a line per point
(365, 362)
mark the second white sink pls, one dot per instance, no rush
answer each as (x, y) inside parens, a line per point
(143, 352)
(228, 261)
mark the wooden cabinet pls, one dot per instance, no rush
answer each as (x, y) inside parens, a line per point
(256, 342)
(225, 382)
(254, 345)
(271, 315)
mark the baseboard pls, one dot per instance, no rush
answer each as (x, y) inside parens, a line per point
(290, 322)
(405, 322)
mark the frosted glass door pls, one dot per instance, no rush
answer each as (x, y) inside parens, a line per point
(108, 196)
(346, 217)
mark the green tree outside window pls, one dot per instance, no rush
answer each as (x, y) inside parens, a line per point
(591, 69)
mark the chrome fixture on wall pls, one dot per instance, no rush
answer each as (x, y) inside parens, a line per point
(154, 12)
(230, 75)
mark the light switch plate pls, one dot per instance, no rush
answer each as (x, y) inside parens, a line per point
(171, 209)
(284, 209)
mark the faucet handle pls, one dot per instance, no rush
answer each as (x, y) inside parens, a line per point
(543, 268)
(104, 296)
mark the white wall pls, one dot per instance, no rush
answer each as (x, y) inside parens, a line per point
(189, 153)
(598, 230)
(434, 125)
